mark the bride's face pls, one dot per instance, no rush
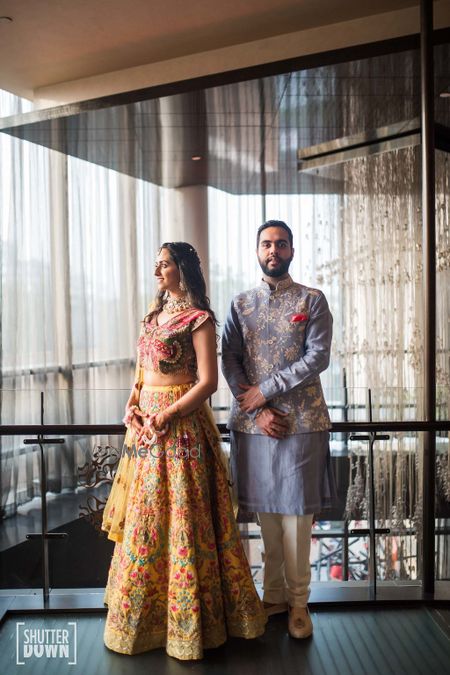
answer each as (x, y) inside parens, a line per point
(167, 273)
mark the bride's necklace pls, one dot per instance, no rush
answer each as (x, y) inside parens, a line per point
(174, 305)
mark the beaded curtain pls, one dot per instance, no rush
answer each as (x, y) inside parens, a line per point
(380, 274)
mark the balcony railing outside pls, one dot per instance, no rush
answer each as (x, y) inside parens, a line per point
(63, 511)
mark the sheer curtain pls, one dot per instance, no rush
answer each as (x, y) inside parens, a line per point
(77, 249)
(443, 327)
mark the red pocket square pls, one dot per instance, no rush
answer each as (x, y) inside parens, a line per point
(299, 317)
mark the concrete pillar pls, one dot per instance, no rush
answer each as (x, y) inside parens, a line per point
(186, 219)
(183, 134)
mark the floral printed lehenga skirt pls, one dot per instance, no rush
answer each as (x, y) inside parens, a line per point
(179, 577)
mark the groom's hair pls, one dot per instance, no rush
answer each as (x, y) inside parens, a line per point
(275, 223)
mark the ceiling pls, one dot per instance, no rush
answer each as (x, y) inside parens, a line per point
(245, 132)
(56, 41)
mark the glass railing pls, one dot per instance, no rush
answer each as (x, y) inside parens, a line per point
(80, 465)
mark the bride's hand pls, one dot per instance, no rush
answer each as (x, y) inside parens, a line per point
(133, 417)
(146, 427)
(160, 421)
(152, 430)
(137, 425)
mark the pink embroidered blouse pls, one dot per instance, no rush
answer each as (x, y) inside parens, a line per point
(168, 348)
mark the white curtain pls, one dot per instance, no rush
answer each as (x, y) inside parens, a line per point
(77, 248)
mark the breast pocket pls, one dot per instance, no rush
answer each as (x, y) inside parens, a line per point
(297, 331)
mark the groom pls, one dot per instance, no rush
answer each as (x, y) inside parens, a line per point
(275, 342)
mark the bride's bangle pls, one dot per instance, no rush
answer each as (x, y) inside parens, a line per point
(160, 432)
(148, 429)
(129, 414)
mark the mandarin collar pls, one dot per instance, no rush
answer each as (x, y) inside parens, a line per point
(281, 285)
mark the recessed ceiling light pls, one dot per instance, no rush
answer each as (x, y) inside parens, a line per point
(196, 158)
(6, 19)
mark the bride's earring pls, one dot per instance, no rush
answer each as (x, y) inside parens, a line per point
(182, 287)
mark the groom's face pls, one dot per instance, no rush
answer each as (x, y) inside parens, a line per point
(274, 251)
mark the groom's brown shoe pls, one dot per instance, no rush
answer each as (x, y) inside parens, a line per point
(275, 608)
(299, 624)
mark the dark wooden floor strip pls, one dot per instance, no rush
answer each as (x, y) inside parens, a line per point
(345, 642)
(372, 646)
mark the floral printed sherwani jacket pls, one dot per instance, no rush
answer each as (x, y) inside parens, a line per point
(279, 339)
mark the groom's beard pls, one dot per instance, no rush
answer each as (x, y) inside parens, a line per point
(275, 271)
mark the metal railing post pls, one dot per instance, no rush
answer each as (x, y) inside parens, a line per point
(44, 535)
(429, 289)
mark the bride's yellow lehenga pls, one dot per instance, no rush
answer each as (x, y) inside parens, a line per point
(179, 577)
